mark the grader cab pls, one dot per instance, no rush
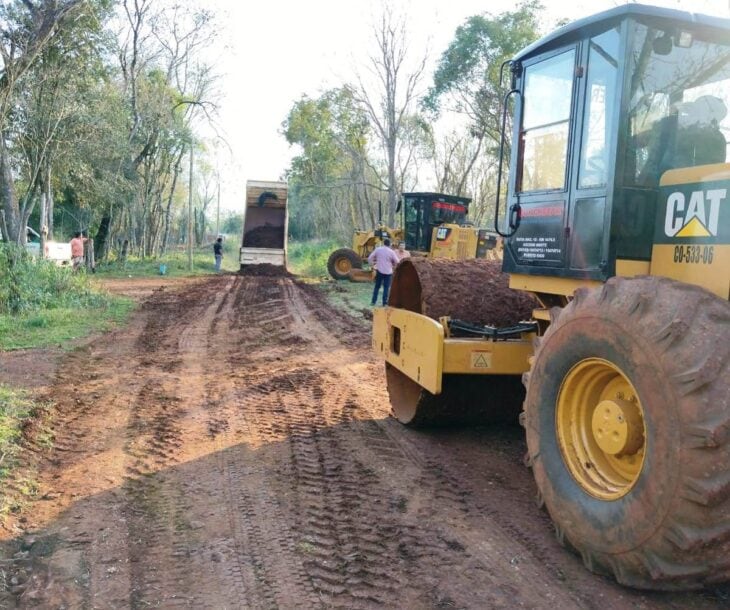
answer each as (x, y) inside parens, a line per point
(607, 326)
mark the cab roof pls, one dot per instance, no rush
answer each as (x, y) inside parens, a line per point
(443, 196)
(600, 21)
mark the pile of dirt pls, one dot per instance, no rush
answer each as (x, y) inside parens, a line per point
(266, 236)
(473, 290)
(265, 269)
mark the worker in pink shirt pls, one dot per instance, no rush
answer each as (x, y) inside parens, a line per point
(384, 260)
(77, 250)
(401, 252)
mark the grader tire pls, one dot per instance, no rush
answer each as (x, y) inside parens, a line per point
(341, 262)
(627, 417)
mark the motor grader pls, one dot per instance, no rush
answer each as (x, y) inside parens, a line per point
(434, 225)
(607, 327)
(343, 261)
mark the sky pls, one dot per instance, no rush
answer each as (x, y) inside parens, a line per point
(271, 52)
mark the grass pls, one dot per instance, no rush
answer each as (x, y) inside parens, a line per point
(44, 305)
(175, 262)
(309, 258)
(58, 327)
(16, 407)
(351, 296)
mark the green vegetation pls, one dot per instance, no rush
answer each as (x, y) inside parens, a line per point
(175, 263)
(28, 285)
(58, 326)
(309, 258)
(42, 304)
(16, 408)
(353, 297)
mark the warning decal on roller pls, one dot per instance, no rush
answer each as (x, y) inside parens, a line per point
(481, 360)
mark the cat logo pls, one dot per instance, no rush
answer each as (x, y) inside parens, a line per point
(697, 218)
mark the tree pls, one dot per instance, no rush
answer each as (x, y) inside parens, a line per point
(27, 29)
(166, 88)
(52, 106)
(467, 79)
(391, 101)
(333, 183)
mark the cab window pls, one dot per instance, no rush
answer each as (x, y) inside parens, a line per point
(598, 122)
(546, 122)
(678, 105)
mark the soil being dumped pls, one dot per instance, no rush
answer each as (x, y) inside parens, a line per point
(264, 270)
(473, 290)
(266, 236)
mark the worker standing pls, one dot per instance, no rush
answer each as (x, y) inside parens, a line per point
(218, 253)
(384, 260)
(77, 250)
(401, 252)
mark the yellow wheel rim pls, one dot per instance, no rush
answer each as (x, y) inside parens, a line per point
(343, 265)
(600, 426)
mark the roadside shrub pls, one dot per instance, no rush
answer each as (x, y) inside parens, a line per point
(28, 285)
(310, 257)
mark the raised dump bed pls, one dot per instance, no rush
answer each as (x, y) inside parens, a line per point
(265, 224)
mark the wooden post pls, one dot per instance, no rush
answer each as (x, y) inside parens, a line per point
(190, 211)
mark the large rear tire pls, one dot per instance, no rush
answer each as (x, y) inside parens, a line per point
(341, 262)
(627, 416)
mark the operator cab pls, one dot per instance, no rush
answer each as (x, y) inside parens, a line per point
(422, 212)
(603, 108)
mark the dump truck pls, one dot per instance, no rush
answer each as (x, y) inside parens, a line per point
(265, 224)
(434, 224)
(606, 328)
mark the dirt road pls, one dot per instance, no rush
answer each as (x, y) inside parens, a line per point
(232, 448)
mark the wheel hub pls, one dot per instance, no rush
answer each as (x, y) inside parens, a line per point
(600, 428)
(617, 427)
(343, 265)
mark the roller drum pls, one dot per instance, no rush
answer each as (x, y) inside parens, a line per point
(474, 291)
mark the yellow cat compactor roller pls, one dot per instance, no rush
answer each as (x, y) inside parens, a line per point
(611, 303)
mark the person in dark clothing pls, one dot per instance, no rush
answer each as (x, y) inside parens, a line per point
(218, 253)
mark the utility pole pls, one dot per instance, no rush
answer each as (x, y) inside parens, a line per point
(190, 210)
(218, 211)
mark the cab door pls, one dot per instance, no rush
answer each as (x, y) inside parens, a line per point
(564, 162)
(542, 170)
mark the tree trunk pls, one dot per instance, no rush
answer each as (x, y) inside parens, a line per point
(49, 204)
(8, 201)
(392, 186)
(168, 208)
(102, 234)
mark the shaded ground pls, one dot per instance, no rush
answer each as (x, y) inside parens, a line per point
(232, 448)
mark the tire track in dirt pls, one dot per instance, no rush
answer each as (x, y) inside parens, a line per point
(341, 509)
(232, 449)
(161, 534)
